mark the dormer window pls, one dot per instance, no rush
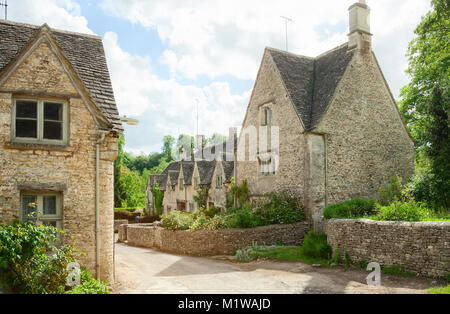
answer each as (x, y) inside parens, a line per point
(40, 122)
(181, 184)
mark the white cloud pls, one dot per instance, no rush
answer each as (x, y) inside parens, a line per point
(60, 14)
(218, 37)
(166, 106)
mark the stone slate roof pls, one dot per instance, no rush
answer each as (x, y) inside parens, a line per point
(311, 82)
(84, 52)
(205, 169)
(188, 171)
(160, 179)
(228, 168)
(173, 175)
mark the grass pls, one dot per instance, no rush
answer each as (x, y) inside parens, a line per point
(441, 290)
(397, 271)
(288, 253)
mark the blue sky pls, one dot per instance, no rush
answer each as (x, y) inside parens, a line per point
(165, 55)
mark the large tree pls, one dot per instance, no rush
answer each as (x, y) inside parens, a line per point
(426, 99)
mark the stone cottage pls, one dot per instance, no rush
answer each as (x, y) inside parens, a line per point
(340, 134)
(59, 129)
(209, 167)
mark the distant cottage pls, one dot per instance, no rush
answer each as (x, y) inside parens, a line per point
(59, 129)
(341, 135)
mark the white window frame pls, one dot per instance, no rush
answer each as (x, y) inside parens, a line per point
(41, 218)
(40, 123)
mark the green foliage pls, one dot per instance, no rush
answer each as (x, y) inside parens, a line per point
(316, 245)
(441, 290)
(211, 212)
(241, 217)
(398, 211)
(356, 208)
(279, 208)
(239, 194)
(30, 260)
(177, 220)
(158, 197)
(202, 196)
(89, 285)
(426, 99)
(391, 192)
(168, 147)
(336, 257)
(396, 270)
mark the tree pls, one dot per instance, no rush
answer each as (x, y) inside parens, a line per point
(426, 99)
(158, 197)
(168, 147)
(216, 139)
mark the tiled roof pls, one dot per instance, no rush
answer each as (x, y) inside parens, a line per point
(188, 170)
(228, 168)
(311, 82)
(205, 169)
(84, 52)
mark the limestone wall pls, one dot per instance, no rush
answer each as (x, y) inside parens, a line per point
(422, 247)
(211, 242)
(118, 223)
(68, 170)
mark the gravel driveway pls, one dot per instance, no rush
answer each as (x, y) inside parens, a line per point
(146, 271)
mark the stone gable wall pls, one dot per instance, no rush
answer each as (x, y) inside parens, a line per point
(211, 242)
(366, 140)
(69, 170)
(291, 171)
(422, 247)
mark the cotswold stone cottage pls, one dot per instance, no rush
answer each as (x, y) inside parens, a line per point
(341, 135)
(58, 137)
(210, 167)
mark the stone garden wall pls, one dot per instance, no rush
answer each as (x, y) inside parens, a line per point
(118, 223)
(422, 247)
(211, 242)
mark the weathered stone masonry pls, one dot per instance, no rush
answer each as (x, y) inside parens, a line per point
(422, 247)
(41, 72)
(211, 242)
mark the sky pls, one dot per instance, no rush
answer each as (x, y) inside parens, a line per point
(169, 57)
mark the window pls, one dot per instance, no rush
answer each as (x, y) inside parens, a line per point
(266, 116)
(191, 206)
(267, 167)
(181, 184)
(196, 182)
(42, 208)
(219, 181)
(39, 121)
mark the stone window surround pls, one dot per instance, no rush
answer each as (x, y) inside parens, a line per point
(219, 181)
(41, 218)
(266, 114)
(269, 160)
(40, 121)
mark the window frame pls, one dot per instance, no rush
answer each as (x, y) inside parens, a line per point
(267, 168)
(266, 114)
(41, 218)
(40, 122)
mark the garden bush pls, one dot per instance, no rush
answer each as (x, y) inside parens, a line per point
(398, 211)
(31, 259)
(316, 245)
(356, 208)
(392, 192)
(279, 208)
(177, 220)
(89, 285)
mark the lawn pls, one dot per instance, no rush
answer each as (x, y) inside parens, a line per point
(288, 253)
(442, 290)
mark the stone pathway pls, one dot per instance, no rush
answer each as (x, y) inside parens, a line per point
(148, 271)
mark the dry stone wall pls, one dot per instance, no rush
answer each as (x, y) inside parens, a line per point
(422, 247)
(211, 242)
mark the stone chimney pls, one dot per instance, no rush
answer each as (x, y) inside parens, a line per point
(360, 36)
(199, 145)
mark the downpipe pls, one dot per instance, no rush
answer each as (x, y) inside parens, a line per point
(100, 140)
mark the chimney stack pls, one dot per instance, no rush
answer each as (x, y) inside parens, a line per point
(360, 36)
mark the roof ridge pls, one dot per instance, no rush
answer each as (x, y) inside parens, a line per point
(331, 50)
(288, 53)
(52, 29)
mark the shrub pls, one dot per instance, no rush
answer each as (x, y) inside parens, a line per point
(279, 208)
(177, 220)
(392, 192)
(241, 218)
(398, 211)
(89, 285)
(210, 212)
(316, 245)
(356, 208)
(30, 261)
